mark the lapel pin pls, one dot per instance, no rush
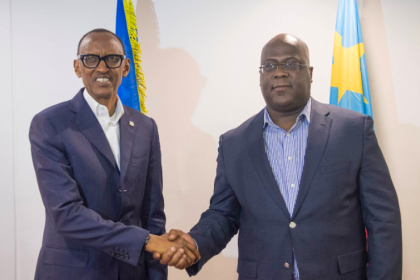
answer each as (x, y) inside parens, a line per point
(131, 123)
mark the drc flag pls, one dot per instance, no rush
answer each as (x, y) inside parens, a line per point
(132, 90)
(349, 79)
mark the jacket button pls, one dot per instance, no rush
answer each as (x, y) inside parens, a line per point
(286, 265)
(292, 225)
(119, 189)
(127, 257)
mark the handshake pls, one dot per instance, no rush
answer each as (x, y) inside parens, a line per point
(175, 248)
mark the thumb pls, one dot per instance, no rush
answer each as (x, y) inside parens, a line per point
(174, 234)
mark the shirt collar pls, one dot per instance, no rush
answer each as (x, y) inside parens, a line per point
(306, 113)
(101, 111)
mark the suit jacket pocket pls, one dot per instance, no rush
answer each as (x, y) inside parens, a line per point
(352, 261)
(66, 257)
(336, 167)
(247, 268)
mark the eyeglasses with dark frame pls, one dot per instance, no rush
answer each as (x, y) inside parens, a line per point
(270, 67)
(92, 61)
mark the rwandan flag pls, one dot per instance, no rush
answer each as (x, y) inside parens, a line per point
(349, 79)
(132, 90)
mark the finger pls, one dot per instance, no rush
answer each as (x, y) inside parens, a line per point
(189, 248)
(177, 257)
(189, 262)
(157, 256)
(167, 256)
(191, 255)
(182, 263)
(192, 245)
(194, 250)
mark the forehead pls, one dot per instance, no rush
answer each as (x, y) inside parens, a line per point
(283, 49)
(101, 44)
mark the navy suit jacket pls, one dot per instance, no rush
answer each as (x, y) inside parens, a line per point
(345, 187)
(97, 217)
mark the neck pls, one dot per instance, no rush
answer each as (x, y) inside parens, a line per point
(110, 103)
(285, 120)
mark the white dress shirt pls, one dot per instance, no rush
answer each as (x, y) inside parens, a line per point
(110, 125)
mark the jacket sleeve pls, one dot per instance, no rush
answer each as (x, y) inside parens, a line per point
(381, 212)
(220, 222)
(153, 215)
(64, 204)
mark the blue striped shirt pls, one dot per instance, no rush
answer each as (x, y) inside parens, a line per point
(286, 153)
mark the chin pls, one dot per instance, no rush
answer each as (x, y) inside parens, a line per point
(102, 93)
(286, 106)
(282, 101)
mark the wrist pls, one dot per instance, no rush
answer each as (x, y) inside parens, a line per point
(150, 243)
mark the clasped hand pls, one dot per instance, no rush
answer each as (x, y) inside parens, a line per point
(175, 248)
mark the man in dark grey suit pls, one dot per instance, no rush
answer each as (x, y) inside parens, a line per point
(301, 181)
(98, 166)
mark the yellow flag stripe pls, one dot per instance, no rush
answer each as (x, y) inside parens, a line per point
(346, 73)
(130, 17)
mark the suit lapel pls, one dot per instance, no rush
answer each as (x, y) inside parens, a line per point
(88, 124)
(319, 131)
(127, 132)
(256, 150)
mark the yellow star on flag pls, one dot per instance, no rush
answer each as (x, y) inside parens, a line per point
(346, 74)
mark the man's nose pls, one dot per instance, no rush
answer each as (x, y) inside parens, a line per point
(280, 73)
(102, 67)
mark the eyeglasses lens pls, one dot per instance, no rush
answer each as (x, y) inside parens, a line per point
(288, 67)
(111, 61)
(269, 67)
(91, 61)
(291, 67)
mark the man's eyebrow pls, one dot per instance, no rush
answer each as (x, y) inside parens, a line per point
(290, 58)
(270, 60)
(285, 59)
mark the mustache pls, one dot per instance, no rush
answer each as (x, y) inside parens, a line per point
(280, 85)
(103, 77)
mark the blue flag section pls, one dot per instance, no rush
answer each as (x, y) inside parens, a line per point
(132, 88)
(349, 79)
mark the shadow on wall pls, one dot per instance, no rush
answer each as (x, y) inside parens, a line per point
(174, 84)
(399, 141)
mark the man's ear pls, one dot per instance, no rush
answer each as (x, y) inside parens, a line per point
(76, 65)
(311, 69)
(126, 67)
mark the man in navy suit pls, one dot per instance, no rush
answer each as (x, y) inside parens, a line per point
(98, 166)
(300, 181)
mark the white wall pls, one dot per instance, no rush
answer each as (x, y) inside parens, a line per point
(226, 38)
(202, 80)
(7, 208)
(45, 38)
(398, 97)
